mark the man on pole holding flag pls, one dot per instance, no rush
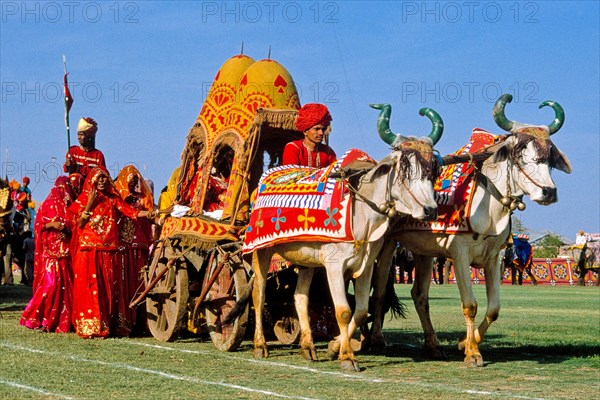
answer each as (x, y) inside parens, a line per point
(85, 157)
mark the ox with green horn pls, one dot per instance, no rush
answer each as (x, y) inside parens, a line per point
(383, 124)
(538, 134)
(513, 126)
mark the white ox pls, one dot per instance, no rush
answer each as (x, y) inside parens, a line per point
(520, 165)
(401, 183)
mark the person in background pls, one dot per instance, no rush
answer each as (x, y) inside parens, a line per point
(581, 239)
(12, 241)
(25, 187)
(6, 234)
(523, 259)
(50, 307)
(76, 181)
(405, 263)
(135, 239)
(98, 309)
(19, 197)
(438, 270)
(313, 121)
(85, 157)
(29, 251)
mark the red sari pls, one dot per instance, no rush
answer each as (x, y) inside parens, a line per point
(98, 307)
(50, 307)
(136, 238)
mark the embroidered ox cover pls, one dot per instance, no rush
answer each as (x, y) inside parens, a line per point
(295, 203)
(454, 190)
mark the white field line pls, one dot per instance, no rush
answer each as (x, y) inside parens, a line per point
(151, 371)
(261, 362)
(34, 389)
(357, 376)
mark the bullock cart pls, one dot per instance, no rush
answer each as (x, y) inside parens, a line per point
(196, 269)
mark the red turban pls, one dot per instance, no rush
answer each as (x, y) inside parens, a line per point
(312, 114)
(26, 180)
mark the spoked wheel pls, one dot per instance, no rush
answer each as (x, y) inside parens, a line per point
(230, 281)
(287, 328)
(166, 302)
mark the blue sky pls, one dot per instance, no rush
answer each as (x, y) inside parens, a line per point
(142, 69)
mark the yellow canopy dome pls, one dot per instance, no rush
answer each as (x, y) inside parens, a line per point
(267, 84)
(241, 86)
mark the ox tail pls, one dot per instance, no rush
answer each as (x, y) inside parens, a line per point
(391, 301)
(240, 305)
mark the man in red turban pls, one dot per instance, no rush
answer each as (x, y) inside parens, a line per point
(85, 157)
(25, 187)
(313, 120)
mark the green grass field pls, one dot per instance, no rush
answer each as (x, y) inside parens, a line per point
(545, 345)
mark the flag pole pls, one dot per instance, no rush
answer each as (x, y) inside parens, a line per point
(68, 102)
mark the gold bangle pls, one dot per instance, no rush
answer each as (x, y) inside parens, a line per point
(86, 215)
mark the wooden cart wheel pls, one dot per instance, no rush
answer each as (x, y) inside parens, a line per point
(166, 302)
(287, 329)
(221, 298)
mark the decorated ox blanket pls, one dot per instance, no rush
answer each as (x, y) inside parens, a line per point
(454, 190)
(296, 203)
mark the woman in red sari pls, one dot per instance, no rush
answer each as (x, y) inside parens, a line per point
(50, 307)
(136, 237)
(98, 309)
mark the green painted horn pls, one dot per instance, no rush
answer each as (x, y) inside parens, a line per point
(559, 116)
(383, 122)
(499, 116)
(438, 125)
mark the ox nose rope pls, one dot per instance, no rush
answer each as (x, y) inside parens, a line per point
(526, 174)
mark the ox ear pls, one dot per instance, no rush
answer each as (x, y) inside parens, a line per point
(559, 160)
(502, 152)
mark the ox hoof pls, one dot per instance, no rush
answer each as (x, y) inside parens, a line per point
(434, 351)
(378, 348)
(350, 365)
(333, 349)
(260, 352)
(309, 354)
(474, 361)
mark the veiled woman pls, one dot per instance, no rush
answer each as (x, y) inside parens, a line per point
(50, 307)
(98, 309)
(136, 235)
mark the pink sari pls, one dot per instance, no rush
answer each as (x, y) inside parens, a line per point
(50, 307)
(135, 239)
